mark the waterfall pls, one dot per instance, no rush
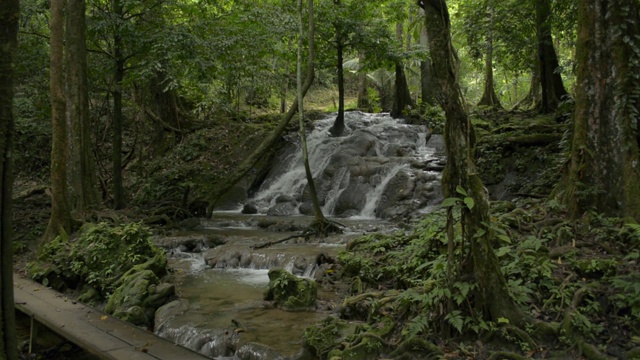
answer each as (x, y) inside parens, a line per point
(352, 172)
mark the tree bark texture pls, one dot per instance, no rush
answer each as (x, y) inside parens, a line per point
(60, 220)
(553, 89)
(81, 170)
(427, 92)
(9, 16)
(605, 168)
(493, 297)
(261, 150)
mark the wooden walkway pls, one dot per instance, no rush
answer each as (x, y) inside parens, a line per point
(96, 332)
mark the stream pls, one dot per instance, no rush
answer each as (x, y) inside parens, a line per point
(381, 172)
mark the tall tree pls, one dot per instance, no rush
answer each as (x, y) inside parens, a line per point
(9, 16)
(119, 60)
(461, 176)
(82, 176)
(402, 98)
(553, 89)
(60, 220)
(489, 96)
(427, 91)
(340, 41)
(605, 164)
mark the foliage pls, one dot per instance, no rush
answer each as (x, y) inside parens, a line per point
(98, 257)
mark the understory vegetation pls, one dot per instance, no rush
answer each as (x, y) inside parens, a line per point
(581, 279)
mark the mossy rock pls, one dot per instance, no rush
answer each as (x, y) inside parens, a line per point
(290, 292)
(138, 297)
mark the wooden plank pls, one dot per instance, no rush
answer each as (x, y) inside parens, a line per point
(96, 332)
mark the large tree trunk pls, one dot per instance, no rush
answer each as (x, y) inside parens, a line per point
(118, 188)
(60, 220)
(9, 15)
(605, 169)
(533, 99)
(489, 96)
(338, 125)
(492, 297)
(82, 177)
(553, 89)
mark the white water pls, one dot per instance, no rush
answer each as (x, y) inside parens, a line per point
(375, 142)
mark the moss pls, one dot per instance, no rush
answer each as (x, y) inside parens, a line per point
(289, 291)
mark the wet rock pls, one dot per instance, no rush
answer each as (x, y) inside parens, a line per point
(190, 223)
(290, 292)
(285, 199)
(250, 208)
(306, 208)
(283, 209)
(255, 351)
(168, 311)
(189, 243)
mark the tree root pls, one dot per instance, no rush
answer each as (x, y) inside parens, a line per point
(318, 228)
(414, 344)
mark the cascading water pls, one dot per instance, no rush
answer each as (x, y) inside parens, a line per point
(352, 172)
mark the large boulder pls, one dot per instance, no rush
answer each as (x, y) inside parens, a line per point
(140, 294)
(289, 291)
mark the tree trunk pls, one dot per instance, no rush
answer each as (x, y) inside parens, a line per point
(60, 220)
(319, 216)
(118, 189)
(489, 97)
(553, 89)
(363, 85)
(402, 98)
(9, 15)
(605, 167)
(338, 125)
(426, 78)
(533, 99)
(82, 177)
(246, 165)
(492, 297)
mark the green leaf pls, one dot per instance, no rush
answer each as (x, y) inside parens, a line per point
(503, 251)
(504, 238)
(448, 202)
(469, 202)
(460, 190)
(479, 233)
(502, 320)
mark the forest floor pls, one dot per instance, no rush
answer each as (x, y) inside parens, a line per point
(581, 278)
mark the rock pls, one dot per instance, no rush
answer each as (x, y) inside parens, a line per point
(283, 209)
(190, 223)
(139, 293)
(290, 292)
(168, 311)
(285, 199)
(306, 208)
(250, 208)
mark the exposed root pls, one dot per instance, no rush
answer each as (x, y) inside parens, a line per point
(416, 344)
(316, 228)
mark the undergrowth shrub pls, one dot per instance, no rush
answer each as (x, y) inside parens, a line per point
(98, 257)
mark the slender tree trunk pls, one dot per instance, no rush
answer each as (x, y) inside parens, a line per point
(553, 89)
(363, 85)
(118, 189)
(533, 99)
(489, 97)
(9, 16)
(60, 220)
(338, 125)
(605, 165)
(317, 210)
(460, 172)
(82, 176)
(262, 149)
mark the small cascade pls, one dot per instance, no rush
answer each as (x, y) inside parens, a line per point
(348, 170)
(373, 197)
